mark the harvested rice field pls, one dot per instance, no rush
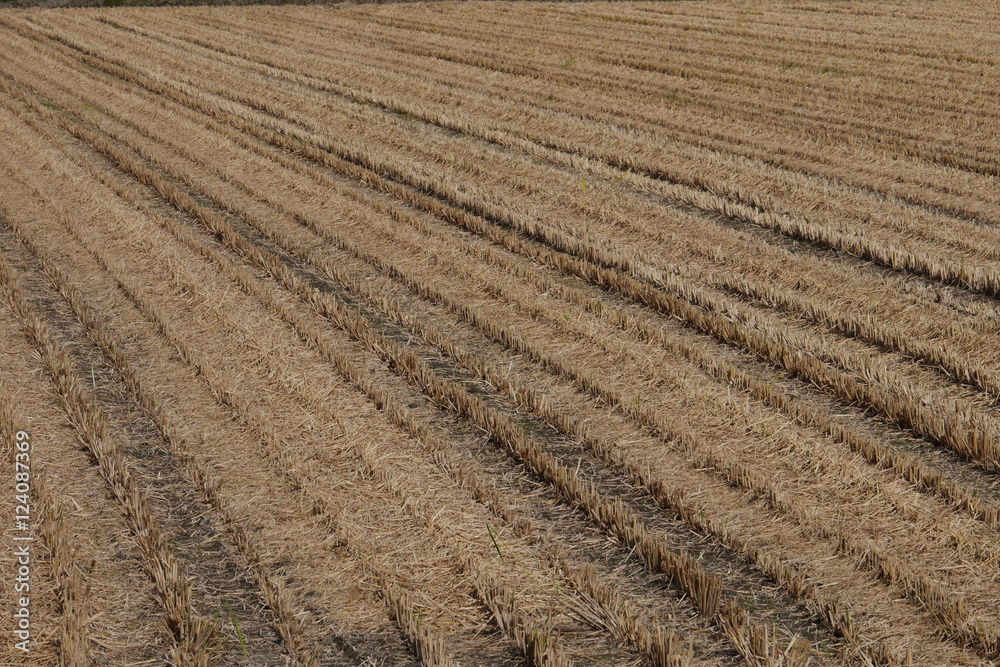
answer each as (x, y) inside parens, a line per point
(501, 334)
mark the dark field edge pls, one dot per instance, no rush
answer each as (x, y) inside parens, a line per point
(59, 4)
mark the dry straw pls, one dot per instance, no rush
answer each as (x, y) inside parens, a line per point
(71, 587)
(192, 635)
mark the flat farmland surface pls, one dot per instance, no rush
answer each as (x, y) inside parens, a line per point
(501, 334)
